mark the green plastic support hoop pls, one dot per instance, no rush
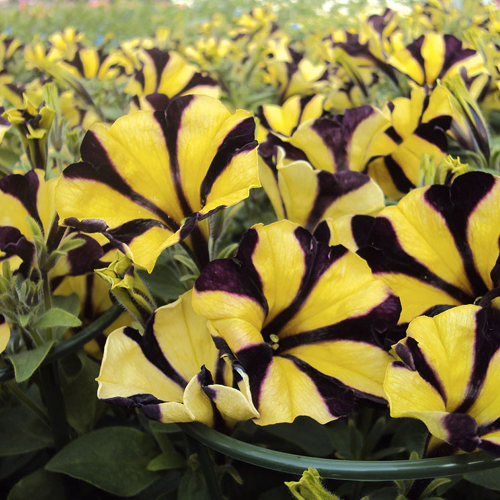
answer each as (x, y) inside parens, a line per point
(353, 470)
(73, 343)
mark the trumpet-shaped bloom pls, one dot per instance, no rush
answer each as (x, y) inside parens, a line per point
(303, 318)
(448, 377)
(33, 126)
(175, 373)
(433, 56)
(341, 143)
(147, 180)
(284, 120)
(440, 244)
(418, 126)
(167, 72)
(307, 196)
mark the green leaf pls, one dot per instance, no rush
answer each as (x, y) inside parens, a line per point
(163, 283)
(166, 461)
(114, 459)
(192, 486)
(8, 158)
(487, 478)
(70, 304)
(26, 362)
(435, 483)
(10, 465)
(79, 394)
(41, 484)
(21, 431)
(310, 436)
(57, 317)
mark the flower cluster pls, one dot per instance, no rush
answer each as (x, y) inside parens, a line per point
(376, 277)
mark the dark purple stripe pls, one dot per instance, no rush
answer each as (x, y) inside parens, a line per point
(338, 398)
(171, 124)
(318, 259)
(430, 132)
(159, 102)
(239, 140)
(149, 346)
(331, 133)
(25, 189)
(393, 135)
(402, 183)
(386, 255)
(415, 50)
(196, 80)
(453, 53)
(462, 431)
(456, 205)
(422, 366)
(368, 328)
(256, 360)
(486, 345)
(361, 228)
(331, 187)
(160, 60)
(97, 166)
(226, 275)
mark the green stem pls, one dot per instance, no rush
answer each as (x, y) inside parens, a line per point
(349, 470)
(51, 389)
(19, 394)
(208, 469)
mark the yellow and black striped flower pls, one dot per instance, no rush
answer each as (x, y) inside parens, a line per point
(343, 142)
(307, 196)
(447, 377)
(435, 56)
(165, 75)
(146, 181)
(175, 372)
(418, 126)
(304, 320)
(440, 245)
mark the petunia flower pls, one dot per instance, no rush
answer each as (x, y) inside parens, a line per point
(343, 142)
(447, 377)
(175, 373)
(167, 73)
(307, 196)
(417, 126)
(284, 120)
(435, 56)
(304, 320)
(33, 126)
(440, 244)
(148, 179)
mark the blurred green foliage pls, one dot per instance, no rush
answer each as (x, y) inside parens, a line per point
(125, 19)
